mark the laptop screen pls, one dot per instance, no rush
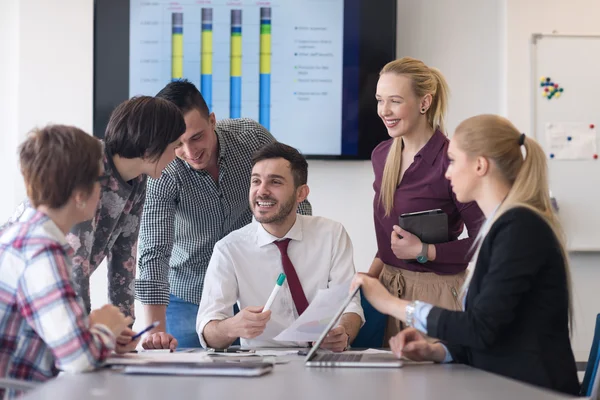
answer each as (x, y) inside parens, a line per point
(331, 324)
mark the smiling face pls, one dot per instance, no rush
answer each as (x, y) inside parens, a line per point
(198, 145)
(397, 105)
(273, 193)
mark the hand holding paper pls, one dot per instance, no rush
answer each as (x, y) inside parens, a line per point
(309, 326)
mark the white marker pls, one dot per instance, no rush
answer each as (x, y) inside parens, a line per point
(280, 281)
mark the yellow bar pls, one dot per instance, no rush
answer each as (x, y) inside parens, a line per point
(265, 53)
(236, 55)
(177, 56)
(207, 52)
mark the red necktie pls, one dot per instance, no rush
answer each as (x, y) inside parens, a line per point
(292, 278)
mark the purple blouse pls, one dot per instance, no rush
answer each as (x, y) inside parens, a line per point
(424, 187)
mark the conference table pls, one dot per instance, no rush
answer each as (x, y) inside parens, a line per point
(293, 380)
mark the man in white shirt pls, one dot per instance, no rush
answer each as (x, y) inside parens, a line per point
(246, 263)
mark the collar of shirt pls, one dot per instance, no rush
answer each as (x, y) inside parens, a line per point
(432, 148)
(264, 238)
(221, 143)
(33, 216)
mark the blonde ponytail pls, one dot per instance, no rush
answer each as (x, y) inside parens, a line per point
(439, 102)
(391, 176)
(497, 139)
(425, 80)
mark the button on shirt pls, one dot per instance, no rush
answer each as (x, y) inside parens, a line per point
(245, 266)
(187, 212)
(425, 187)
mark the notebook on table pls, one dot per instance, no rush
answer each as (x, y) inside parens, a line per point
(224, 368)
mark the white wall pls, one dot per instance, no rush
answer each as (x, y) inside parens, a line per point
(9, 87)
(547, 16)
(46, 76)
(56, 63)
(343, 191)
(465, 40)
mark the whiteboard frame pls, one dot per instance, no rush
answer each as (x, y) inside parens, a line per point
(534, 82)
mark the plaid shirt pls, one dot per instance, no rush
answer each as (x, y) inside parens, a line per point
(187, 212)
(111, 235)
(43, 325)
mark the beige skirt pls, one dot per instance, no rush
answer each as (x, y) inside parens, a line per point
(439, 290)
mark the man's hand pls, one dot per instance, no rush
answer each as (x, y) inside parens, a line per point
(336, 340)
(249, 323)
(124, 342)
(159, 340)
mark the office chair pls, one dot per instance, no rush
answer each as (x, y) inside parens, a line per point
(591, 379)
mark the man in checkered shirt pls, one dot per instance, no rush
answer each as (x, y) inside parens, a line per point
(200, 198)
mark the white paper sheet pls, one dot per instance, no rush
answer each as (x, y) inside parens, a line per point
(309, 326)
(571, 141)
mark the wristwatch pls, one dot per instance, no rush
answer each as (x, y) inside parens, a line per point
(422, 256)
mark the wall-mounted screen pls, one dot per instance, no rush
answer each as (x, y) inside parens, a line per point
(304, 69)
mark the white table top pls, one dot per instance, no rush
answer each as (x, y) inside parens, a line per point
(295, 381)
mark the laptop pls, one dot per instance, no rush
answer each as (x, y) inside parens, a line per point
(328, 359)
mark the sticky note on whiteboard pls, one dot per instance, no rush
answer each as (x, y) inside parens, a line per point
(571, 141)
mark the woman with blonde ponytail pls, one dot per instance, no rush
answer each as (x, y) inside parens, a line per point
(409, 177)
(518, 303)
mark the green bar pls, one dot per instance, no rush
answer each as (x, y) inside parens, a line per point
(264, 29)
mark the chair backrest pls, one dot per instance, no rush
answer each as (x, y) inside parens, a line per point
(371, 333)
(591, 377)
(595, 380)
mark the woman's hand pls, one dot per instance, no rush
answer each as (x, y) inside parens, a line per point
(125, 344)
(374, 292)
(405, 245)
(411, 344)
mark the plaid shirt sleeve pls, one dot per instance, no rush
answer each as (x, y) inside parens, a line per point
(51, 307)
(156, 240)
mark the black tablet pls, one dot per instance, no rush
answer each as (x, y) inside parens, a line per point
(430, 226)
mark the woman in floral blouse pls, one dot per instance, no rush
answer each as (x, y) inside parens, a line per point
(140, 141)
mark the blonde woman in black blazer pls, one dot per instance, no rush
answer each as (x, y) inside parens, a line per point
(517, 307)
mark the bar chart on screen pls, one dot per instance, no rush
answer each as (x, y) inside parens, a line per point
(270, 61)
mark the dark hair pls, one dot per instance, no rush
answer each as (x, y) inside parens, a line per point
(297, 161)
(143, 126)
(185, 96)
(56, 160)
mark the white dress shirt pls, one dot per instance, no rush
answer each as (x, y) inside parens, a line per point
(245, 265)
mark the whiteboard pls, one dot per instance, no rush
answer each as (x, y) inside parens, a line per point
(573, 63)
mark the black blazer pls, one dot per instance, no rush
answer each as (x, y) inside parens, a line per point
(516, 318)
